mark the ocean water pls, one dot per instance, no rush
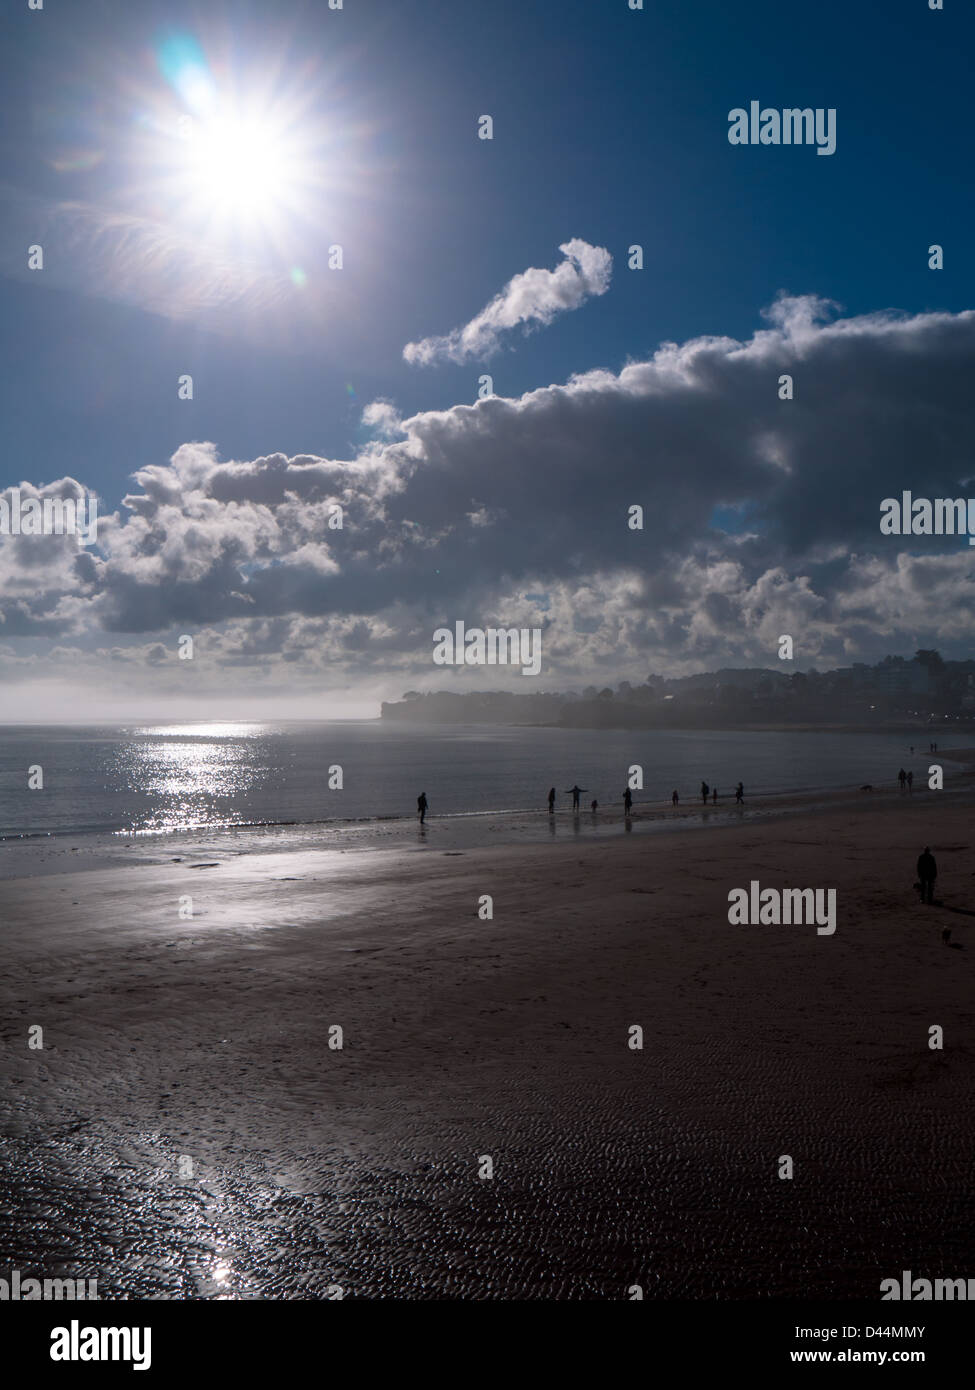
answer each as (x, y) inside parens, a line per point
(157, 778)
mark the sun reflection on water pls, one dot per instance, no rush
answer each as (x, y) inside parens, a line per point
(203, 730)
(191, 777)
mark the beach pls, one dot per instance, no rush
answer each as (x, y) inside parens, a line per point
(191, 1128)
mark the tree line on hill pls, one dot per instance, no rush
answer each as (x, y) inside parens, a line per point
(923, 689)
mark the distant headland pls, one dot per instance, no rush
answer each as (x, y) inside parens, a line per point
(918, 692)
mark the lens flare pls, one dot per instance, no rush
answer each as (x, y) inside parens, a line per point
(238, 159)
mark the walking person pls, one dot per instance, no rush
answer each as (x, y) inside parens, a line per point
(902, 778)
(627, 802)
(674, 799)
(704, 792)
(740, 794)
(910, 781)
(576, 793)
(594, 807)
(714, 796)
(421, 806)
(927, 872)
(551, 801)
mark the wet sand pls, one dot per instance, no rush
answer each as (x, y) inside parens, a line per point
(207, 1040)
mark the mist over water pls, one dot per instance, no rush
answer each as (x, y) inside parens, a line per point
(157, 778)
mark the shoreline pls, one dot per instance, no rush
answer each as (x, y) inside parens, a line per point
(40, 854)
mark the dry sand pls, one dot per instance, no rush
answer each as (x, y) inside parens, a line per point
(209, 1038)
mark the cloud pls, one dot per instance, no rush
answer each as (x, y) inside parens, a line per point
(132, 260)
(384, 418)
(110, 254)
(534, 296)
(761, 517)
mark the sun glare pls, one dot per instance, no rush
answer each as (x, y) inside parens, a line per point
(235, 166)
(232, 155)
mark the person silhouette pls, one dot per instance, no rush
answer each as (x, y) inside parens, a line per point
(910, 781)
(927, 872)
(902, 778)
(714, 796)
(740, 794)
(576, 793)
(674, 798)
(551, 801)
(627, 802)
(594, 807)
(704, 792)
(421, 806)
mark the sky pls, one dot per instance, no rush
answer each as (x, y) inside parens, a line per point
(293, 206)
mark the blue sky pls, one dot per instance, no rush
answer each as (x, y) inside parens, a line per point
(610, 127)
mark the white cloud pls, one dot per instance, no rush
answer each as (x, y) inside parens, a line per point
(384, 418)
(534, 296)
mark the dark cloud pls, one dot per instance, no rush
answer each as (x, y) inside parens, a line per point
(474, 508)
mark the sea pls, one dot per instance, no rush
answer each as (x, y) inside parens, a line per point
(135, 780)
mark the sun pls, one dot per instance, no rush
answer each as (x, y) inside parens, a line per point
(233, 155)
(237, 168)
(247, 160)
